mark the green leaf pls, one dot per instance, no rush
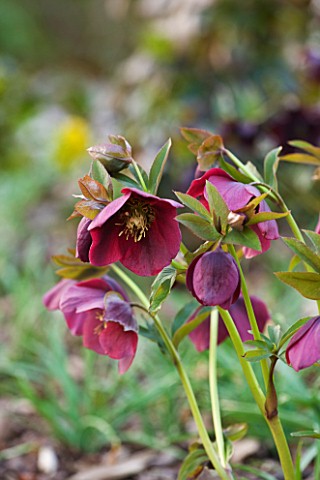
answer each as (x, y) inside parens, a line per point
(187, 328)
(307, 283)
(256, 355)
(301, 158)
(306, 146)
(183, 315)
(136, 176)
(161, 287)
(194, 205)
(271, 163)
(295, 260)
(274, 332)
(262, 345)
(157, 167)
(265, 216)
(218, 207)
(234, 172)
(236, 431)
(75, 269)
(192, 465)
(199, 226)
(247, 238)
(100, 174)
(252, 169)
(306, 433)
(303, 252)
(315, 239)
(195, 135)
(292, 330)
(126, 181)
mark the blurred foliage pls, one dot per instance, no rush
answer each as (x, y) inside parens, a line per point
(73, 72)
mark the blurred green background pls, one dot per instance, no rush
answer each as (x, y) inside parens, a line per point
(72, 72)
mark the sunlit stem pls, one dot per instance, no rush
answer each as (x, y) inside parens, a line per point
(213, 385)
(250, 312)
(142, 182)
(207, 444)
(274, 423)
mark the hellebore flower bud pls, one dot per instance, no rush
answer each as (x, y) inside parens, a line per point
(303, 349)
(213, 279)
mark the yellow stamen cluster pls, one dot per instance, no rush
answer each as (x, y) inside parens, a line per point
(98, 329)
(136, 219)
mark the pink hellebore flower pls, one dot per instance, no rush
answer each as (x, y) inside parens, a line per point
(213, 279)
(200, 336)
(303, 349)
(137, 229)
(98, 310)
(236, 195)
(317, 229)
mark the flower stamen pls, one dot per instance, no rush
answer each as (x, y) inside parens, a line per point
(136, 219)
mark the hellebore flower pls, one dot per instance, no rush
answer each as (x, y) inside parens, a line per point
(137, 229)
(303, 349)
(200, 336)
(317, 229)
(236, 195)
(213, 279)
(98, 310)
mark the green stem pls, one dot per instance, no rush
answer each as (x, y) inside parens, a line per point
(213, 385)
(240, 165)
(250, 312)
(207, 444)
(142, 182)
(273, 423)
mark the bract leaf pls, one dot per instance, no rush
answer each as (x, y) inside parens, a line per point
(306, 434)
(218, 207)
(157, 167)
(256, 355)
(307, 283)
(314, 237)
(271, 163)
(183, 315)
(306, 146)
(234, 172)
(209, 152)
(292, 330)
(199, 226)
(195, 135)
(75, 269)
(192, 465)
(93, 189)
(161, 287)
(126, 181)
(303, 252)
(100, 174)
(247, 238)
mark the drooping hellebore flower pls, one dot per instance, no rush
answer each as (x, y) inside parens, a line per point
(303, 349)
(213, 279)
(200, 336)
(98, 310)
(236, 195)
(137, 229)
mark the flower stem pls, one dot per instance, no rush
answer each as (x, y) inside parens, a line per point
(250, 312)
(273, 423)
(142, 182)
(207, 444)
(213, 385)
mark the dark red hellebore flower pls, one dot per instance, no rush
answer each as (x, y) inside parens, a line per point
(98, 310)
(236, 195)
(303, 349)
(200, 336)
(137, 229)
(213, 279)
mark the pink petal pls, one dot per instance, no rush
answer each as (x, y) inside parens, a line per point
(90, 332)
(83, 240)
(52, 298)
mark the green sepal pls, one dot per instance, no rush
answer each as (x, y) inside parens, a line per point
(304, 252)
(194, 205)
(157, 167)
(247, 238)
(270, 165)
(199, 226)
(307, 283)
(187, 328)
(218, 208)
(161, 287)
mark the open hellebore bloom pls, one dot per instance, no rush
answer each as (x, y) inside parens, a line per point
(236, 195)
(213, 279)
(137, 229)
(200, 336)
(98, 310)
(303, 349)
